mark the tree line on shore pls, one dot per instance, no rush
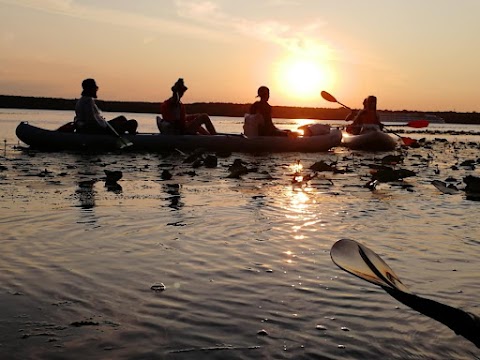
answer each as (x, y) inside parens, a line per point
(216, 109)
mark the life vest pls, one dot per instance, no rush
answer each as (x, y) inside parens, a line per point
(252, 125)
(367, 117)
(173, 113)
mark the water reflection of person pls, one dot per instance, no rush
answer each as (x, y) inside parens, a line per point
(175, 198)
(86, 194)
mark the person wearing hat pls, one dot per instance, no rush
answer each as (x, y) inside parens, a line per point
(89, 119)
(174, 119)
(263, 108)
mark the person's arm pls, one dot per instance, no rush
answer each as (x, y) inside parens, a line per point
(351, 116)
(166, 114)
(357, 120)
(173, 112)
(96, 114)
(266, 111)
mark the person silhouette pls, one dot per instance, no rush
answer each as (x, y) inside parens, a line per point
(89, 119)
(263, 108)
(174, 119)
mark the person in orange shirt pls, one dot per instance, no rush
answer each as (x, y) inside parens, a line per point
(174, 119)
(367, 119)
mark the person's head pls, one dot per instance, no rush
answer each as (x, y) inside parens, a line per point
(365, 103)
(371, 102)
(263, 92)
(89, 87)
(179, 88)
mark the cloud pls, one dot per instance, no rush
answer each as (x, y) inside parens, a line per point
(116, 17)
(202, 19)
(300, 40)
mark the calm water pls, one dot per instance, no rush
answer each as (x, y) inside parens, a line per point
(236, 256)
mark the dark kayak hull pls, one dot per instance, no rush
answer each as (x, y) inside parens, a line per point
(51, 140)
(370, 141)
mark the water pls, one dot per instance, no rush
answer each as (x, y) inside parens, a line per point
(236, 256)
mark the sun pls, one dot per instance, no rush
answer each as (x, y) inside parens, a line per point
(302, 78)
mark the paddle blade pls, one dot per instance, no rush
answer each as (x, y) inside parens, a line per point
(328, 96)
(122, 143)
(362, 262)
(408, 141)
(418, 124)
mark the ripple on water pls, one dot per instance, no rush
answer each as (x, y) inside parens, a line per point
(236, 256)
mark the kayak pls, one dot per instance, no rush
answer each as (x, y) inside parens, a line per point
(370, 141)
(53, 140)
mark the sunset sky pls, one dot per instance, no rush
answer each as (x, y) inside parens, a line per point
(414, 55)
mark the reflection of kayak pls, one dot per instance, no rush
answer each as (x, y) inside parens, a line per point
(369, 141)
(54, 140)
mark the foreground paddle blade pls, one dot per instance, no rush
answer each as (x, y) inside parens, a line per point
(418, 124)
(362, 262)
(328, 96)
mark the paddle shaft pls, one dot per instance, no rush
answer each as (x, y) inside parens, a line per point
(345, 106)
(124, 141)
(406, 140)
(228, 134)
(461, 322)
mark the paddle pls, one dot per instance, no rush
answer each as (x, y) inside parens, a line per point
(122, 143)
(406, 140)
(417, 124)
(359, 260)
(329, 97)
(362, 262)
(230, 134)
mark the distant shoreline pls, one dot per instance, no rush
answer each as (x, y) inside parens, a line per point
(217, 109)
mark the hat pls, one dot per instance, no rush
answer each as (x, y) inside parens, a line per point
(179, 86)
(263, 91)
(89, 84)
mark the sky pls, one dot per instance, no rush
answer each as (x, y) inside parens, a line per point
(412, 54)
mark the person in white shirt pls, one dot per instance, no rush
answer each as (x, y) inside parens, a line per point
(89, 119)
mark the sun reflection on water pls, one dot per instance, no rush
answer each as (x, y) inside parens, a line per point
(300, 204)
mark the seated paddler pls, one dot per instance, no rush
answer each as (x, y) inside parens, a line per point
(175, 121)
(89, 119)
(366, 119)
(258, 122)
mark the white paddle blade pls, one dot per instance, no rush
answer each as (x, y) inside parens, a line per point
(362, 262)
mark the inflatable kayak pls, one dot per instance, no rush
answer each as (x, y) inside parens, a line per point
(370, 141)
(52, 140)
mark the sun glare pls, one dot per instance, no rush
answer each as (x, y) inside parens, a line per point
(301, 78)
